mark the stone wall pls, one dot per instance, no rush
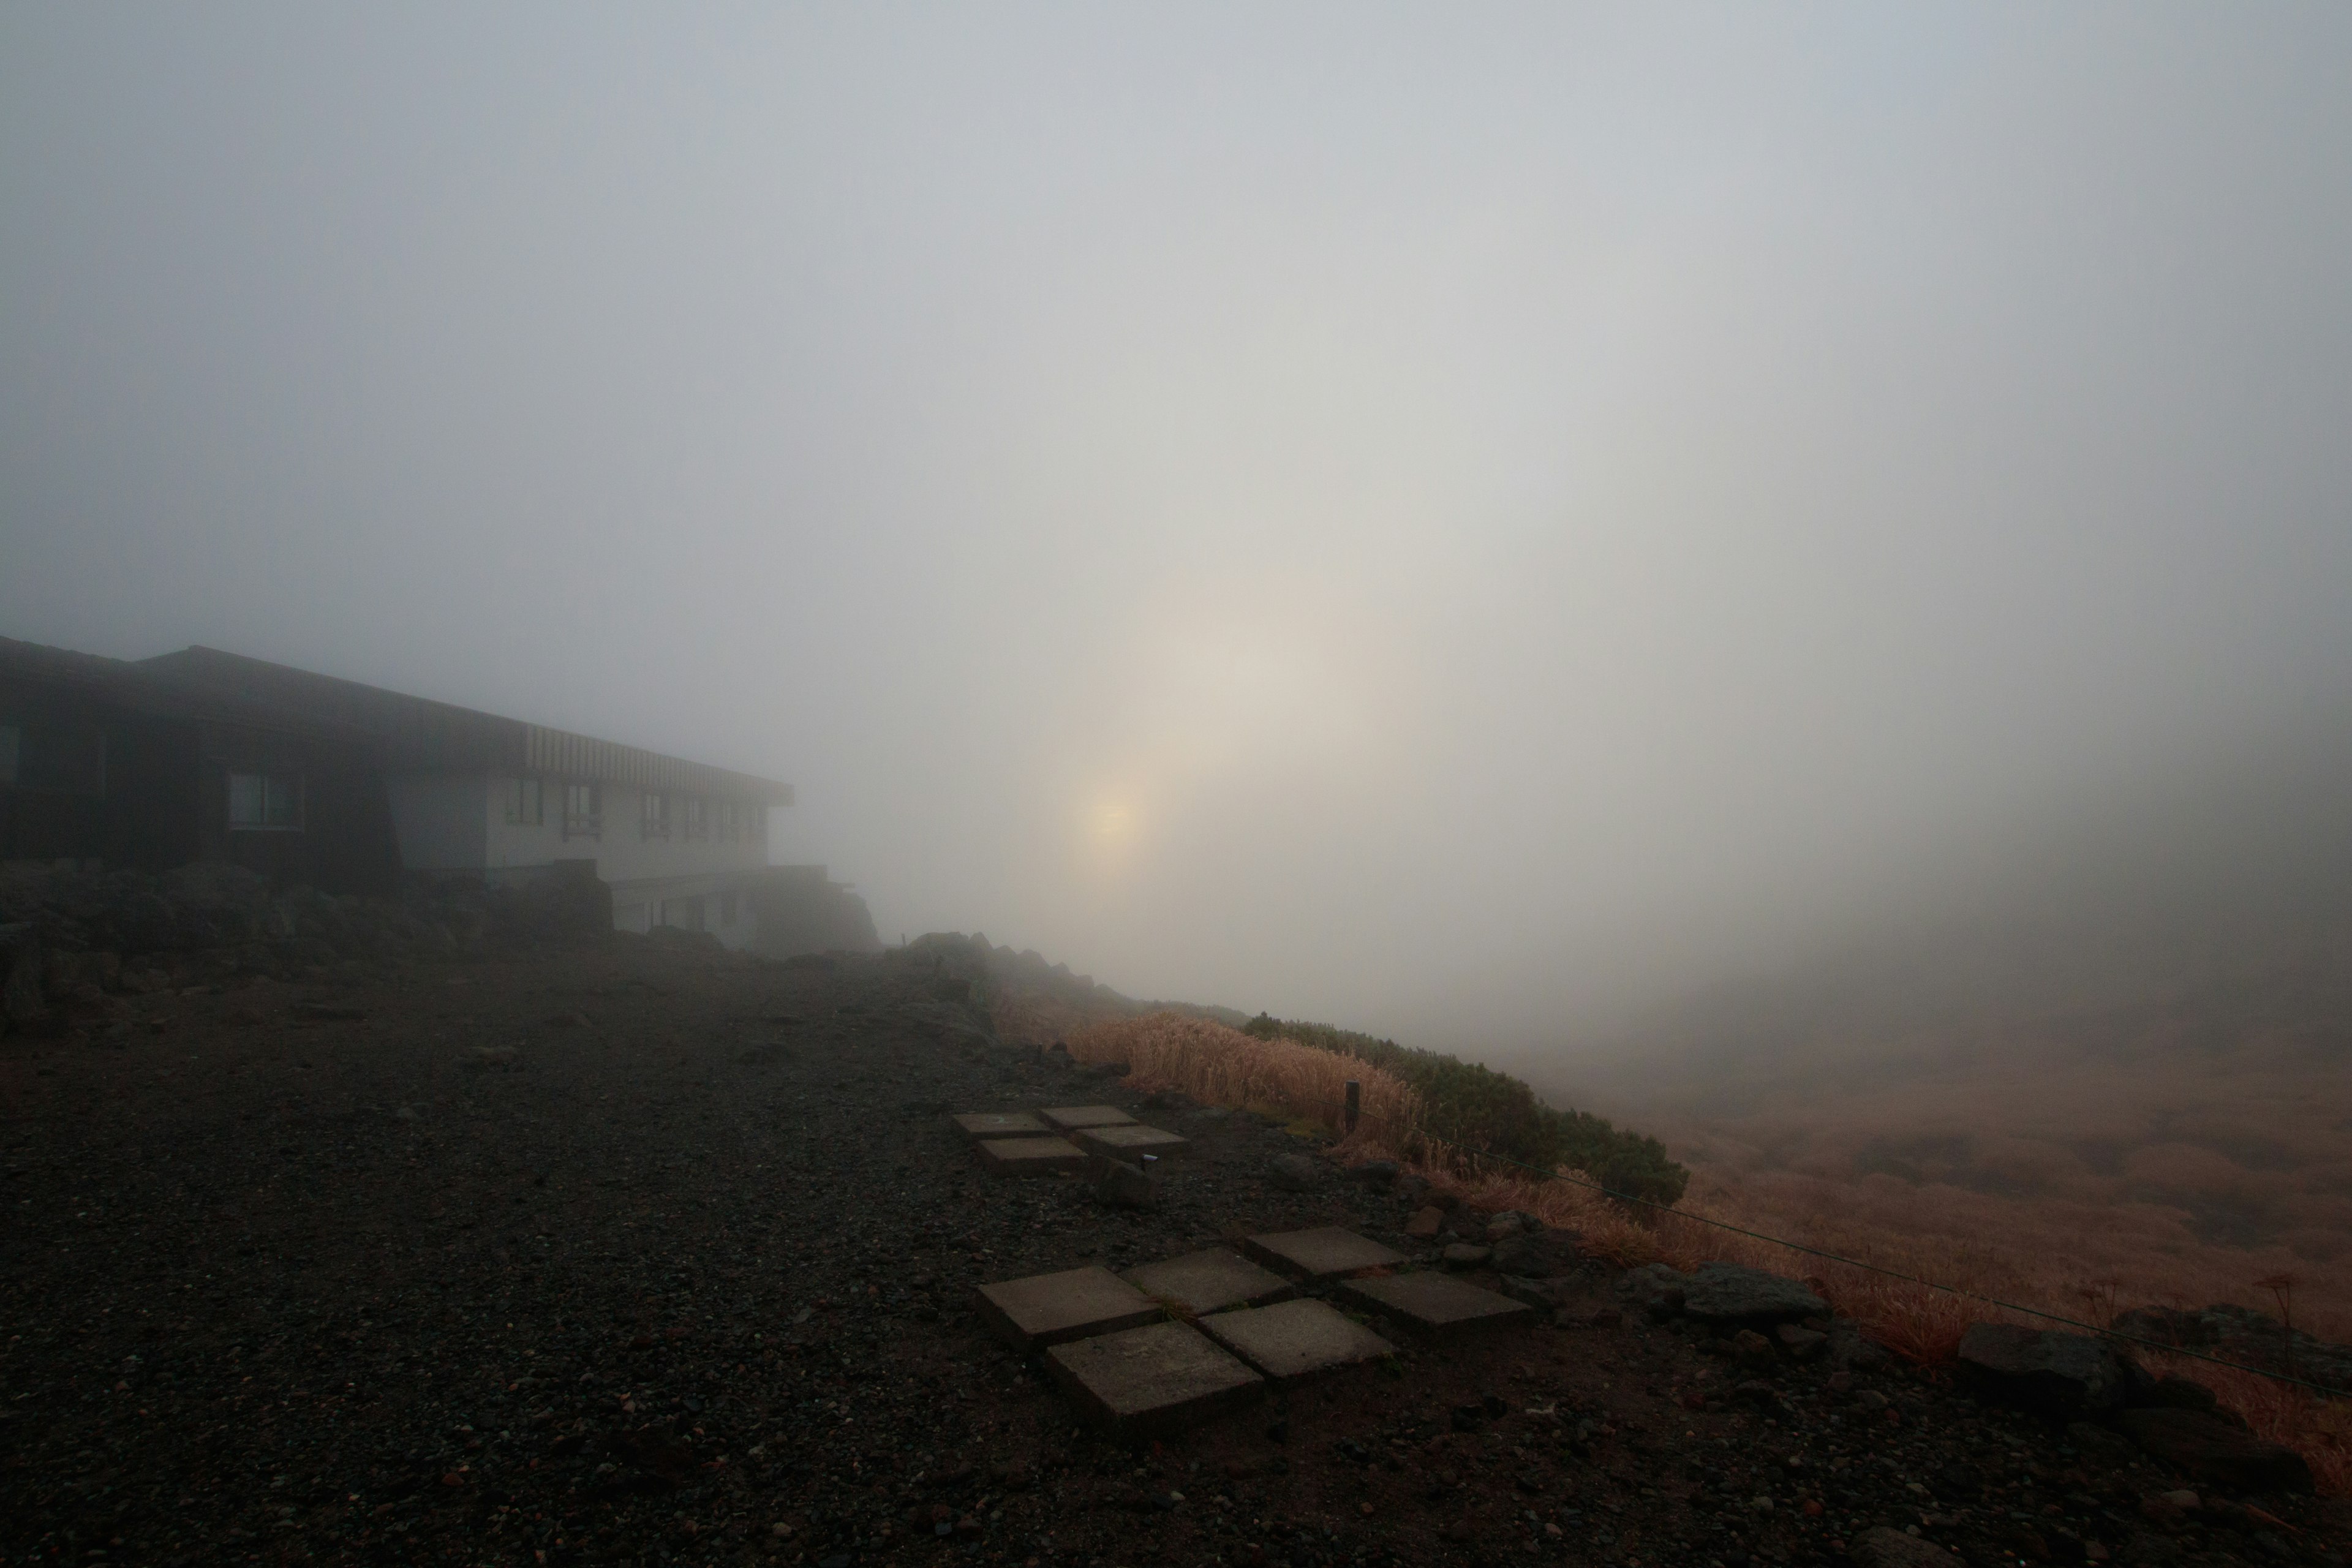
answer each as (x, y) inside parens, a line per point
(76, 938)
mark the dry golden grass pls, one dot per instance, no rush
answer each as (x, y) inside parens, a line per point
(1219, 1065)
(2085, 1254)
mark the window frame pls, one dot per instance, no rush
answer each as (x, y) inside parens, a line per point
(526, 804)
(588, 823)
(653, 814)
(296, 799)
(698, 817)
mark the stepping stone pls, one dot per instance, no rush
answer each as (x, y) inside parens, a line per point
(1151, 1381)
(1047, 1308)
(979, 1124)
(1434, 1303)
(1295, 1338)
(1070, 1118)
(1322, 1254)
(1127, 1143)
(1031, 1156)
(1211, 1281)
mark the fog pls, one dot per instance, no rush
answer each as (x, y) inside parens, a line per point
(1452, 521)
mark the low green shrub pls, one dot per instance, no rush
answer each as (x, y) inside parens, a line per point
(1477, 1108)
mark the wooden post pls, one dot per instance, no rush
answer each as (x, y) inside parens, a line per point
(1355, 1102)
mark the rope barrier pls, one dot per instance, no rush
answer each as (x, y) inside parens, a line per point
(1351, 1112)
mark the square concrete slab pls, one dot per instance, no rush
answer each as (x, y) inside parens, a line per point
(1128, 1143)
(1434, 1303)
(1295, 1338)
(1151, 1381)
(1047, 1308)
(1070, 1118)
(1323, 1254)
(1211, 1281)
(1031, 1156)
(977, 1124)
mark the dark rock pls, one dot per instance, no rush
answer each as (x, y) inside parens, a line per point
(1887, 1548)
(2244, 1335)
(1730, 1293)
(1462, 1255)
(1752, 1348)
(2101, 1444)
(2065, 1377)
(2176, 1393)
(1533, 1254)
(1424, 1225)
(1509, 1222)
(1295, 1173)
(1122, 1186)
(1655, 1288)
(1379, 1174)
(1849, 1351)
(2210, 1449)
(1802, 1345)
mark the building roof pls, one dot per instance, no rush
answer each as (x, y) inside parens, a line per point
(411, 732)
(419, 733)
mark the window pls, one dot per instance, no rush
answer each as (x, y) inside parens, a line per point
(698, 817)
(64, 759)
(584, 811)
(727, 909)
(755, 822)
(730, 821)
(526, 807)
(264, 803)
(654, 821)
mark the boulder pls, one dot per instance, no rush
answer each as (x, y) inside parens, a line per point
(1800, 1342)
(2064, 1376)
(1655, 1288)
(1463, 1254)
(2203, 1445)
(1124, 1187)
(1535, 1252)
(1730, 1293)
(1379, 1174)
(2244, 1335)
(1295, 1173)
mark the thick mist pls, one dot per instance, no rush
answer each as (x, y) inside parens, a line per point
(1461, 523)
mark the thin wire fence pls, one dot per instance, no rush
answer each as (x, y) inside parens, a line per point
(1349, 1114)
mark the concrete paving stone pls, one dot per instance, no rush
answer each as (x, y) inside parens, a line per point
(979, 1124)
(1129, 1143)
(1322, 1254)
(1031, 1156)
(1211, 1281)
(1151, 1381)
(1434, 1303)
(1070, 1118)
(1295, 1338)
(1047, 1308)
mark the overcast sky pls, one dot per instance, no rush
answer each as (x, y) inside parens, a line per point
(1347, 510)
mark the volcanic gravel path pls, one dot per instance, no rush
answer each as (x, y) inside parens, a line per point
(641, 1254)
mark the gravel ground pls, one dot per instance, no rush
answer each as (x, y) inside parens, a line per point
(639, 1254)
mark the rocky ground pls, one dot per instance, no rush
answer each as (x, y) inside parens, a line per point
(636, 1253)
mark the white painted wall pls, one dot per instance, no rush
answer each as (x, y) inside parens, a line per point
(442, 820)
(457, 822)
